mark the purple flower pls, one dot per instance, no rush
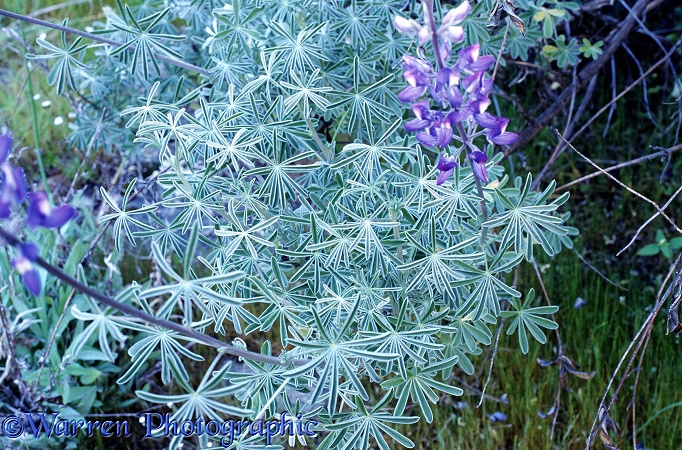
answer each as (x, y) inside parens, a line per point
(23, 263)
(446, 88)
(469, 61)
(449, 29)
(13, 188)
(478, 160)
(579, 303)
(438, 129)
(498, 416)
(424, 117)
(5, 146)
(437, 135)
(416, 72)
(41, 215)
(476, 84)
(446, 165)
(408, 27)
(496, 128)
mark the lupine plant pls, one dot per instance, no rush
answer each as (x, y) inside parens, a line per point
(297, 202)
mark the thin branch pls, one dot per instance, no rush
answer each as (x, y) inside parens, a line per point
(639, 230)
(613, 95)
(664, 152)
(592, 69)
(612, 283)
(629, 88)
(94, 37)
(639, 340)
(621, 184)
(558, 150)
(560, 352)
(130, 311)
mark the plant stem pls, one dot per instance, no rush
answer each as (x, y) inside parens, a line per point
(479, 186)
(130, 311)
(94, 37)
(428, 10)
(34, 118)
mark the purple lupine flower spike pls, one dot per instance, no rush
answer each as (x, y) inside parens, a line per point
(23, 263)
(5, 146)
(446, 165)
(41, 215)
(478, 160)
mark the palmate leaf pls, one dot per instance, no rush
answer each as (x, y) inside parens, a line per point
(436, 264)
(419, 385)
(525, 318)
(206, 401)
(143, 42)
(235, 27)
(249, 237)
(355, 430)
(156, 338)
(260, 385)
(193, 292)
(369, 157)
(123, 219)
(362, 228)
(488, 289)
(306, 90)
(526, 219)
(300, 53)
(279, 183)
(335, 355)
(67, 60)
(360, 102)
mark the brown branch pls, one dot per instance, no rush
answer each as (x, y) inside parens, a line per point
(632, 162)
(623, 185)
(591, 70)
(130, 311)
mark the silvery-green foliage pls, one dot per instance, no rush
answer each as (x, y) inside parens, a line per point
(338, 242)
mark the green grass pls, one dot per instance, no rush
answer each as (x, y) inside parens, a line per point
(594, 336)
(21, 102)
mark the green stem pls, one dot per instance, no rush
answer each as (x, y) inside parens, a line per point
(34, 117)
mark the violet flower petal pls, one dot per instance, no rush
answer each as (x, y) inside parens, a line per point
(444, 176)
(430, 139)
(457, 15)
(4, 210)
(31, 280)
(30, 251)
(416, 125)
(446, 162)
(14, 185)
(5, 146)
(59, 216)
(505, 138)
(478, 160)
(40, 214)
(498, 416)
(410, 93)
